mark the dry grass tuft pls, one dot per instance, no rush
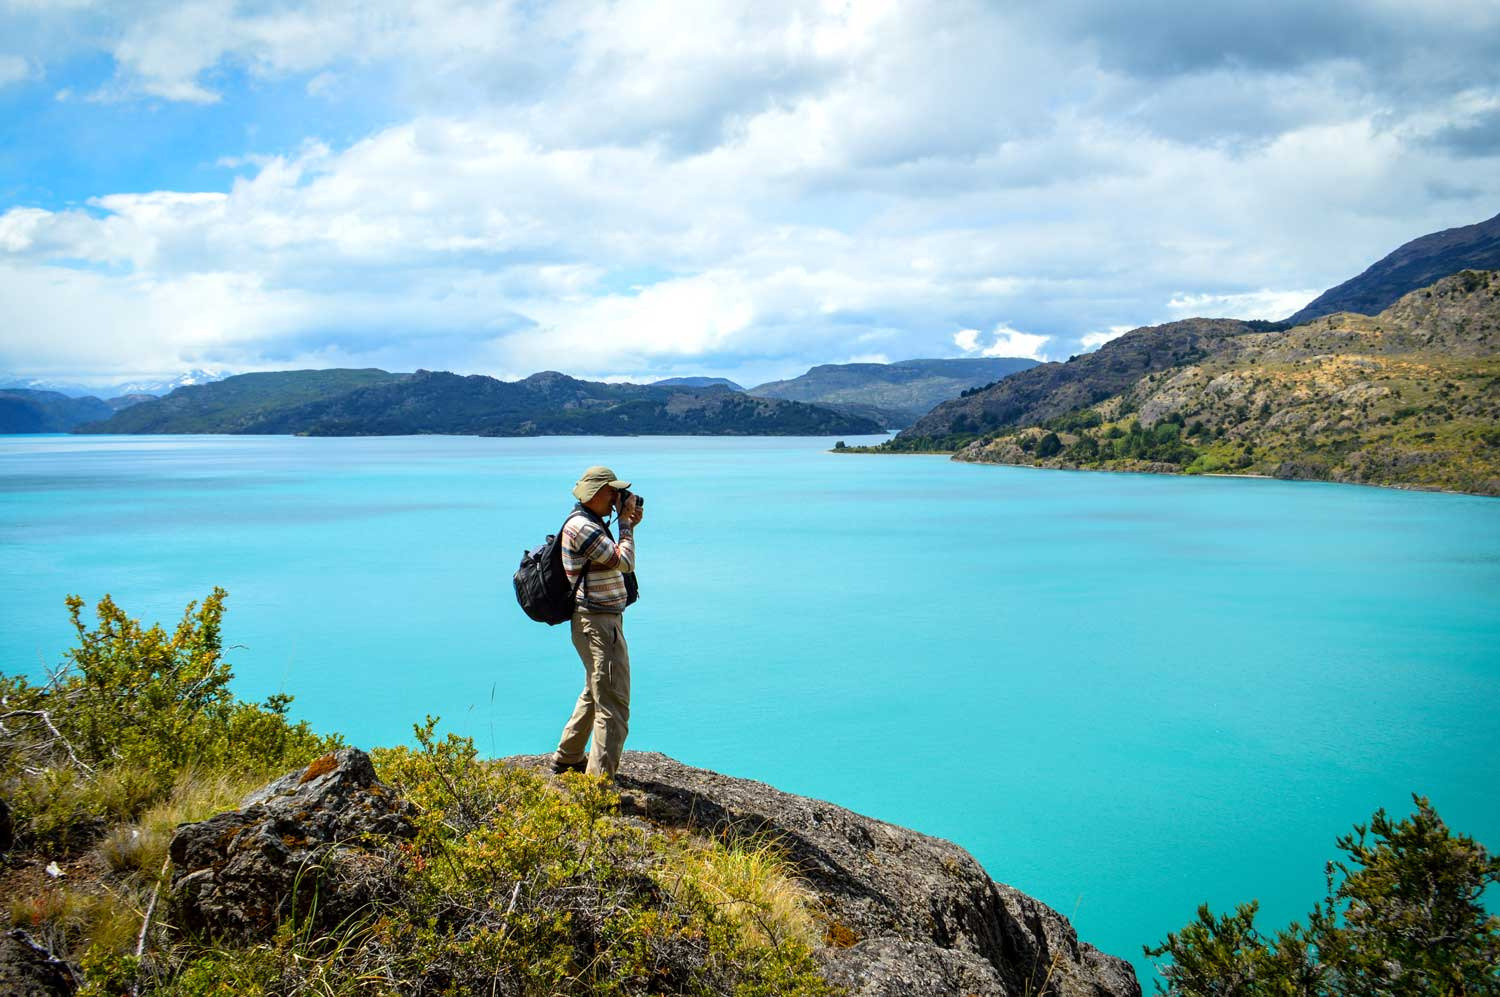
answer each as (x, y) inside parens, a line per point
(196, 795)
(753, 884)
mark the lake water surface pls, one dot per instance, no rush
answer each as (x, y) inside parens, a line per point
(1125, 694)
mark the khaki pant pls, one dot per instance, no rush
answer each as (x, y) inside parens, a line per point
(603, 707)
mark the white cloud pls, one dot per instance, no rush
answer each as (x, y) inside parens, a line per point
(1094, 340)
(15, 69)
(781, 183)
(1008, 342)
(688, 317)
(1264, 304)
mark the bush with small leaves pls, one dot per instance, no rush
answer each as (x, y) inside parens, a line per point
(1404, 916)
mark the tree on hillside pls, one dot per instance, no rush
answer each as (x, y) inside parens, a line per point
(1403, 917)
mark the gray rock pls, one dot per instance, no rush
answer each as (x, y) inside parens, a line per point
(908, 914)
(27, 969)
(311, 845)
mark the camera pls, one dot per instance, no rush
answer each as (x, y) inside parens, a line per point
(625, 495)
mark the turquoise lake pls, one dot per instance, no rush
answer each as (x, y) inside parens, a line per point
(1125, 694)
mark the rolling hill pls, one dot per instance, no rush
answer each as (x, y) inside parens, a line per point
(896, 394)
(696, 382)
(23, 410)
(375, 403)
(237, 403)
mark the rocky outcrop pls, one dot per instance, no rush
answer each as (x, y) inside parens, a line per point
(28, 969)
(310, 845)
(907, 913)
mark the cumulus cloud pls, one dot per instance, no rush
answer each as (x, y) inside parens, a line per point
(1007, 342)
(645, 186)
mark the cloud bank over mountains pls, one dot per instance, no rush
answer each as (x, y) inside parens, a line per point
(648, 189)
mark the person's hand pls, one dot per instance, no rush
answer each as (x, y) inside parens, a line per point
(632, 513)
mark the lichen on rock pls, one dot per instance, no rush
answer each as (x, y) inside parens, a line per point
(310, 845)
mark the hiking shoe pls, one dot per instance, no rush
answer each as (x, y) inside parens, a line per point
(558, 767)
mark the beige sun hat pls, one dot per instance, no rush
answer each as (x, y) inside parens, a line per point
(594, 479)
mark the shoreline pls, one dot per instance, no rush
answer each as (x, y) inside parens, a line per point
(1232, 474)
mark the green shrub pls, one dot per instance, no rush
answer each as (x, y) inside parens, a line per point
(1403, 917)
(1086, 449)
(1075, 421)
(131, 710)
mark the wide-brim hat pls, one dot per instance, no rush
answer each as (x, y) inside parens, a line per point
(594, 479)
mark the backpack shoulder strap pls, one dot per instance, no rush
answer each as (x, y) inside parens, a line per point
(562, 541)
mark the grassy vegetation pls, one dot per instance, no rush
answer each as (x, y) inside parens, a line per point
(516, 883)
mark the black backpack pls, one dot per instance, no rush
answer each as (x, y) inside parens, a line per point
(542, 586)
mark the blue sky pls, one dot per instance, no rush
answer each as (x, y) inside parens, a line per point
(640, 190)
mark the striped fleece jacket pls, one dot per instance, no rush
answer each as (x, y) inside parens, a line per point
(587, 541)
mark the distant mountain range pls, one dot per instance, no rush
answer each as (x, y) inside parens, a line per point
(1413, 266)
(107, 393)
(893, 394)
(850, 399)
(1409, 397)
(377, 403)
(239, 404)
(38, 405)
(987, 408)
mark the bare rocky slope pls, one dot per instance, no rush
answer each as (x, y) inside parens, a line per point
(907, 914)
